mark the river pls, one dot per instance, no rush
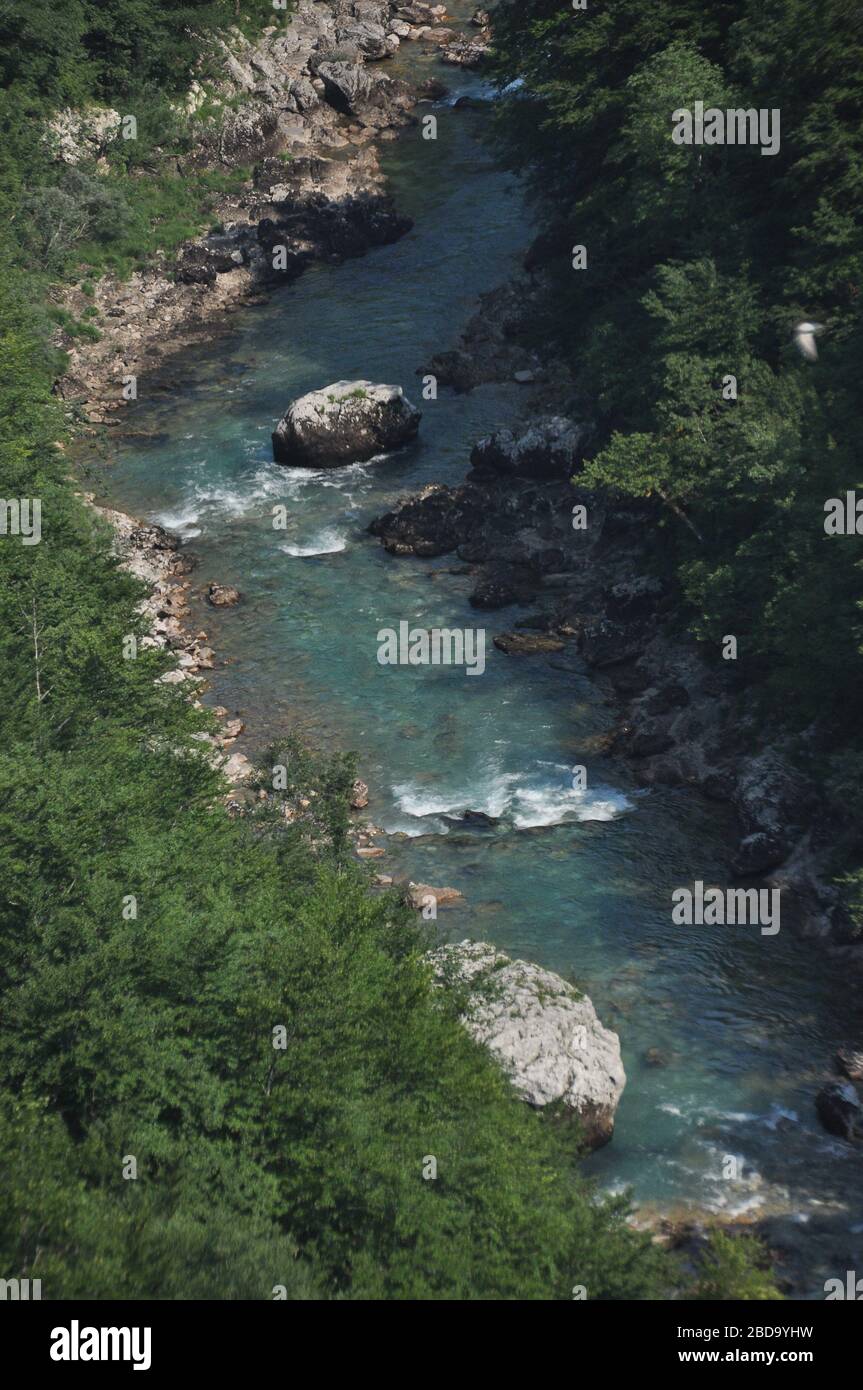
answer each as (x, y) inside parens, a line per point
(741, 1025)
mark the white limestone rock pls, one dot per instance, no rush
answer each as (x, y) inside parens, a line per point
(346, 422)
(545, 1035)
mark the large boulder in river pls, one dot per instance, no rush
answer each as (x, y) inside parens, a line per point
(544, 1033)
(344, 423)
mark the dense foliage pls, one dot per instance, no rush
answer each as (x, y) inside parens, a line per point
(135, 57)
(108, 50)
(146, 1031)
(701, 259)
(732, 1268)
(153, 1140)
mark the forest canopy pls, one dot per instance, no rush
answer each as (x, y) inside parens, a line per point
(701, 260)
(153, 1142)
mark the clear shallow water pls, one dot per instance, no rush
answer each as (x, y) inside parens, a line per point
(579, 882)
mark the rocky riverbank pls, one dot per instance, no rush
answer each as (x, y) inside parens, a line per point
(301, 106)
(579, 565)
(154, 556)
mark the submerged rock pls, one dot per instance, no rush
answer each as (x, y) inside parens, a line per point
(418, 895)
(501, 585)
(839, 1109)
(528, 644)
(463, 52)
(344, 423)
(476, 820)
(222, 595)
(544, 1033)
(655, 1057)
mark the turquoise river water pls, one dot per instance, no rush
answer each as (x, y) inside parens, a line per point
(578, 881)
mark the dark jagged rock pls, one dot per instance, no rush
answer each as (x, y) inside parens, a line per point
(495, 343)
(366, 36)
(321, 209)
(436, 521)
(670, 697)
(475, 820)
(606, 643)
(634, 597)
(503, 585)
(839, 1109)
(773, 801)
(347, 86)
(849, 1060)
(527, 644)
(645, 742)
(552, 447)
